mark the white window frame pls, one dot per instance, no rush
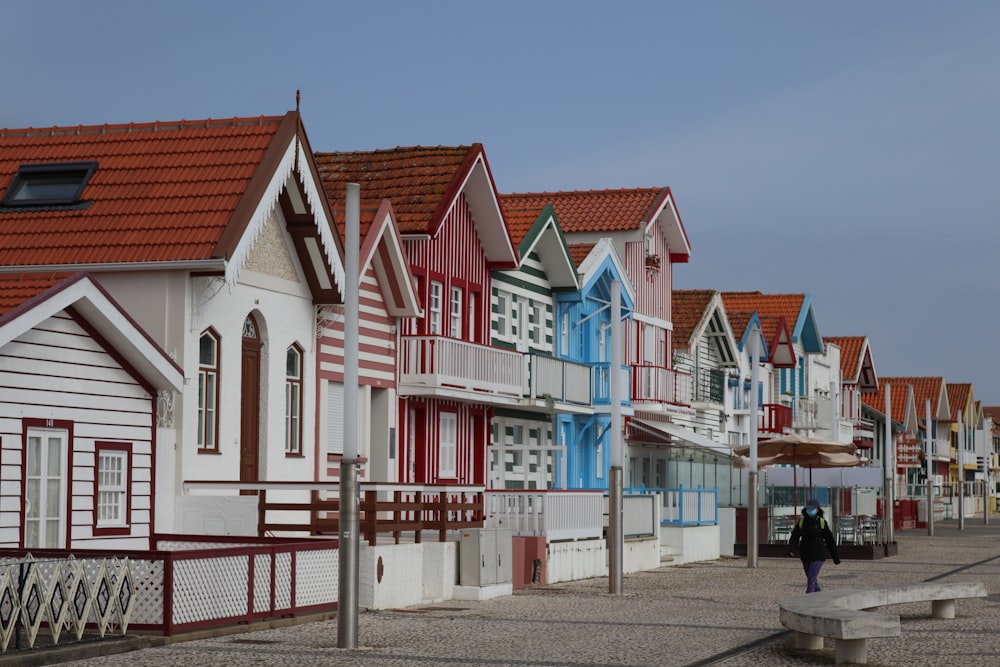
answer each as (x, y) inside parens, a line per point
(38, 478)
(111, 487)
(434, 308)
(448, 447)
(535, 322)
(293, 403)
(503, 314)
(209, 374)
(456, 312)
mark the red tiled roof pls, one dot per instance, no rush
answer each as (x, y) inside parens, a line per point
(520, 214)
(687, 310)
(739, 322)
(162, 191)
(924, 388)
(766, 305)
(994, 412)
(876, 400)
(850, 354)
(17, 289)
(958, 397)
(596, 210)
(416, 179)
(579, 251)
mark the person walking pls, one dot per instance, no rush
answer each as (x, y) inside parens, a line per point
(813, 538)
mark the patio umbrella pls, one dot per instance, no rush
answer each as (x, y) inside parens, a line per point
(799, 450)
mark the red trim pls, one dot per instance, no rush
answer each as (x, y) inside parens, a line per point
(99, 446)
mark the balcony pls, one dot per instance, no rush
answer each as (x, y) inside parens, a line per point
(863, 432)
(776, 419)
(658, 386)
(601, 384)
(811, 414)
(457, 369)
(567, 384)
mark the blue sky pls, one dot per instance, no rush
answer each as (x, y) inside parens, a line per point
(848, 150)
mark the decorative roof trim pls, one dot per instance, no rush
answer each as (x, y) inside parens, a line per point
(269, 203)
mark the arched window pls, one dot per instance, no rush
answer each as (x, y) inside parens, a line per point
(208, 391)
(293, 401)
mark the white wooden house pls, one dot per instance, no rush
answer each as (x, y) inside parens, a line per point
(215, 238)
(78, 416)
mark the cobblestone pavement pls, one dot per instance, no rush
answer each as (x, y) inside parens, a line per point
(713, 613)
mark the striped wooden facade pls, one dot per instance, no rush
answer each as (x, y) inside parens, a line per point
(376, 339)
(523, 289)
(652, 299)
(455, 258)
(61, 378)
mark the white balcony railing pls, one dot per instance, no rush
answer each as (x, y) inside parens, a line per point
(558, 379)
(656, 384)
(811, 413)
(558, 515)
(432, 363)
(602, 383)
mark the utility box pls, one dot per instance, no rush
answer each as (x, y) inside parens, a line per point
(485, 557)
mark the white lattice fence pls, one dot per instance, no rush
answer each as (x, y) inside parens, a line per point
(210, 588)
(316, 577)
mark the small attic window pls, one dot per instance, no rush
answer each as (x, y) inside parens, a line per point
(49, 184)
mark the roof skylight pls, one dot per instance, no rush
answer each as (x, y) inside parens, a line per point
(49, 184)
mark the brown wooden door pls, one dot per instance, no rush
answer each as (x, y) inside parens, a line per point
(250, 403)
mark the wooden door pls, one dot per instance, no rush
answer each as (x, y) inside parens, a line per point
(250, 403)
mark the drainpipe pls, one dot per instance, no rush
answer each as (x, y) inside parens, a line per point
(889, 460)
(961, 472)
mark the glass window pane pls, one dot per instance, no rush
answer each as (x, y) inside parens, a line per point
(54, 464)
(34, 455)
(292, 363)
(206, 355)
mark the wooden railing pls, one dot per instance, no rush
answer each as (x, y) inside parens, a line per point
(430, 363)
(558, 515)
(559, 379)
(601, 390)
(312, 508)
(658, 384)
(393, 509)
(776, 418)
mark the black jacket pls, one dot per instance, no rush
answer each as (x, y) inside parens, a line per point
(813, 538)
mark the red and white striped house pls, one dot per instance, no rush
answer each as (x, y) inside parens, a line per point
(454, 234)
(387, 295)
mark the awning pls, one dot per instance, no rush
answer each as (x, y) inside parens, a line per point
(690, 438)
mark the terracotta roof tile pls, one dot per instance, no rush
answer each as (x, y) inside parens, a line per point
(876, 400)
(687, 310)
(161, 192)
(958, 397)
(416, 179)
(850, 354)
(993, 412)
(924, 388)
(596, 210)
(766, 305)
(520, 214)
(18, 289)
(579, 251)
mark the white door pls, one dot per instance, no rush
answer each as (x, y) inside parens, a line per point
(45, 490)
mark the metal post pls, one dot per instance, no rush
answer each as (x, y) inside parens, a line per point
(752, 500)
(349, 547)
(986, 476)
(348, 553)
(616, 516)
(961, 472)
(889, 460)
(930, 477)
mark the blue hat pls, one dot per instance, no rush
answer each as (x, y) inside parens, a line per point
(812, 502)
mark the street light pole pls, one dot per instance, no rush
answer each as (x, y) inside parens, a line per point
(752, 500)
(616, 515)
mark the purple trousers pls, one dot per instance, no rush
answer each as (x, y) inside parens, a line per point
(812, 568)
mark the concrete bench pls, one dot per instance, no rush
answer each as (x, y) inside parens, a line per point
(846, 615)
